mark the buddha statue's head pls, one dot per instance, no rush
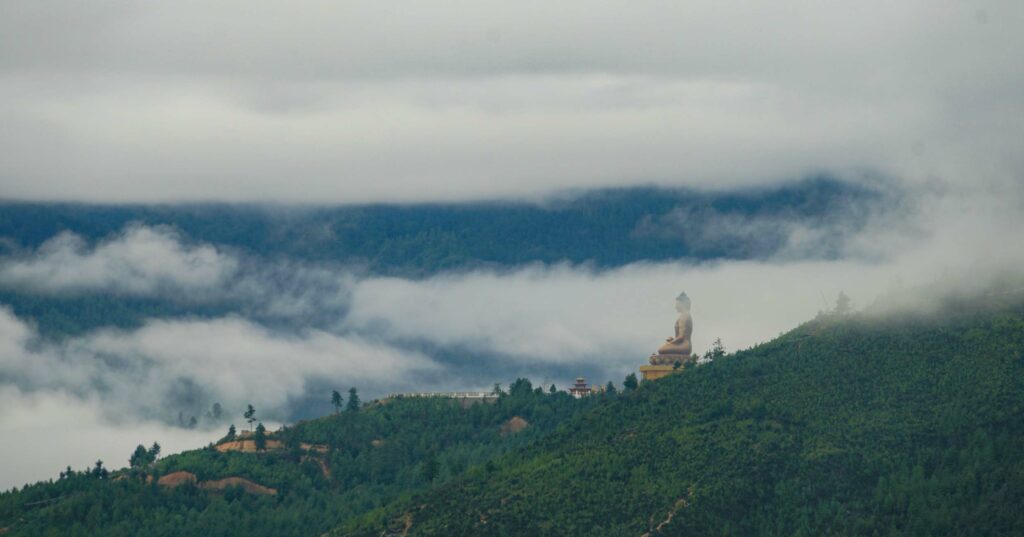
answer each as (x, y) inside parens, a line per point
(683, 303)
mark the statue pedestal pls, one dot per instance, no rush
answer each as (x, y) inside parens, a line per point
(655, 372)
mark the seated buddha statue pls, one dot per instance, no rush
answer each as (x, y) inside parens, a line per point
(678, 348)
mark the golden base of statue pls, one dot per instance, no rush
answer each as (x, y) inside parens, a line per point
(655, 372)
(664, 365)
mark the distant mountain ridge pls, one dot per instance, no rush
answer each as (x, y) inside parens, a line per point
(605, 227)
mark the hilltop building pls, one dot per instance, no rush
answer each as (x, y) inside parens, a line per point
(580, 389)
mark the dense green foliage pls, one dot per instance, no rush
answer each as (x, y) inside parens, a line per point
(373, 456)
(847, 425)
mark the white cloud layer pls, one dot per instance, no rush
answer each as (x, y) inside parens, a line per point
(327, 102)
(44, 432)
(166, 366)
(561, 314)
(139, 261)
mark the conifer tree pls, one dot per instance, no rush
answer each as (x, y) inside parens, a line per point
(717, 349)
(336, 401)
(353, 400)
(139, 457)
(250, 416)
(260, 437)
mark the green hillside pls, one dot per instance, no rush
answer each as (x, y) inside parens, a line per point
(352, 462)
(846, 425)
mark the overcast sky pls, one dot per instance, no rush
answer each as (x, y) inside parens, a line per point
(356, 101)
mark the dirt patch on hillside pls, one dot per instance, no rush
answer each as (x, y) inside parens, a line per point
(319, 448)
(176, 479)
(247, 446)
(513, 425)
(248, 486)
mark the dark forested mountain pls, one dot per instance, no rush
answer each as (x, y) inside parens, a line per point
(849, 424)
(608, 227)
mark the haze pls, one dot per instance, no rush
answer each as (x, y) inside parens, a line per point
(303, 105)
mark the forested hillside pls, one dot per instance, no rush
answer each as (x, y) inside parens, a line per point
(859, 424)
(846, 425)
(324, 472)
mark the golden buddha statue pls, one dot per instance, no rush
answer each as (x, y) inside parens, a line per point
(679, 348)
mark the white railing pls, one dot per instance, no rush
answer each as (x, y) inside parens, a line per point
(448, 395)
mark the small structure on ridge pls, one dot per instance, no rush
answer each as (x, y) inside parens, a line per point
(580, 389)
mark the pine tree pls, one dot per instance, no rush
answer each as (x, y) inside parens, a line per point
(336, 401)
(353, 400)
(139, 458)
(260, 437)
(250, 416)
(717, 348)
(231, 432)
(630, 383)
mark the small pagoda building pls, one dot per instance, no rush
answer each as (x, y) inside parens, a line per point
(580, 388)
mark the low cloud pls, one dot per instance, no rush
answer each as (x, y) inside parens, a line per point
(140, 260)
(169, 366)
(158, 262)
(44, 432)
(955, 240)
